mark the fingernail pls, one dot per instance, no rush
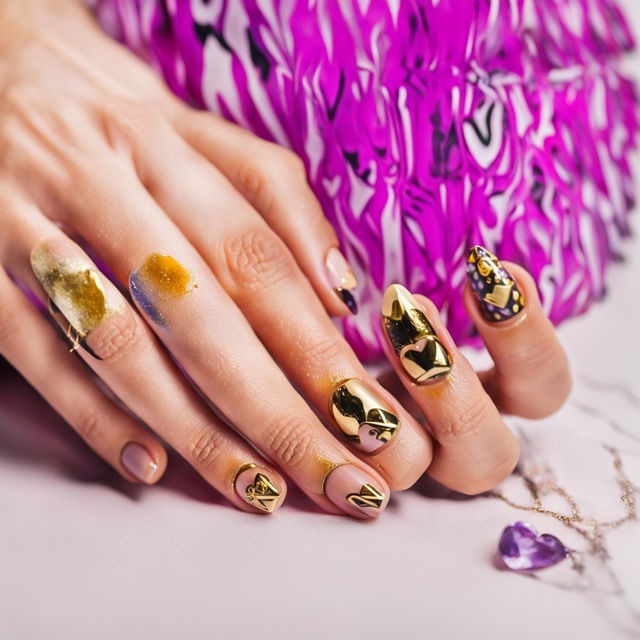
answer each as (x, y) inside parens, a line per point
(75, 291)
(138, 462)
(254, 486)
(363, 417)
(355, 491)
(414, 340)
(160, 278)
(497, 293)
(342, 278)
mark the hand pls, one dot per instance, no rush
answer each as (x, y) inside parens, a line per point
(229, 261)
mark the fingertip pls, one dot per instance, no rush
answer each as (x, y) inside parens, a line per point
(144, 463)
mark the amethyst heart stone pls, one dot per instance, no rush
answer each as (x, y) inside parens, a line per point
(522, 549)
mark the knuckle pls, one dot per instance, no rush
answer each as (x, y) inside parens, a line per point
(269, 168)
(467, 418)
(321, 353)
(289, 441)
(89, 424)
(207, 448)
(257, 258)
(130, 118)
(117, 337)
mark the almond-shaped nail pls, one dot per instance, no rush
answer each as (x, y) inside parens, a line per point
(342, 278)
(139, 462)
(497, 293)
(413, 338)
(362, 416)
(355, 491)
(256, 487)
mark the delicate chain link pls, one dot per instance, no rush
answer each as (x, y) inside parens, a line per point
(590, 529)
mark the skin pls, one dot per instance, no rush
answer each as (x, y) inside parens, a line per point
(115, 159)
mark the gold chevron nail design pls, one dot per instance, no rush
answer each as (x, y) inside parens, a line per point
(363, 418)
(368, 496)
(421, 353)
(262, 493)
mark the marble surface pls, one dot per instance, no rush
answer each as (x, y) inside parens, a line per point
(84, 555)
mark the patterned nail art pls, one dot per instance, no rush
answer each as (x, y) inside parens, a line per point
(159, 278)
(414, 340)
(363, 418)
(497, 292)
(254, 486)
(355, 491)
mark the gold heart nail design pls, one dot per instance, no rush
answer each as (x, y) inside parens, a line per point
(413, 338)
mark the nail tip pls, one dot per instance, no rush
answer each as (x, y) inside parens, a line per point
(348, 299)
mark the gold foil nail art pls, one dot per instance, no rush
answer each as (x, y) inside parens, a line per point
(414, 340)
(368, 496)
(75, 288)
(363, 418)
(262, 493)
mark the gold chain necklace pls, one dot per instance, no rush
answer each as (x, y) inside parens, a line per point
(540, 483)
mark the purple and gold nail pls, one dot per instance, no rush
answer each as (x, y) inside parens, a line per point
(497, 293)
(160, 278)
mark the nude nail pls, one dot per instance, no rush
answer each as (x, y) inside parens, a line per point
(355, 491)
(342, 278)
(257, 487)
(138, 462)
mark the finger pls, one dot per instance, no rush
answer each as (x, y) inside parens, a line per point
(119, 347)
(188, 309)
(273, 180)
(475, 450)
(33, 347)
(531, 375)
(259, 273)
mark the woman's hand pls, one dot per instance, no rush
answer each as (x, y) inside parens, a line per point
(232, 267)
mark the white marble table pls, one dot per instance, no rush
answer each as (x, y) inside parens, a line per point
(83, 555)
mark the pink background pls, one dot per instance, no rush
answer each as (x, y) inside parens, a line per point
(84, 555)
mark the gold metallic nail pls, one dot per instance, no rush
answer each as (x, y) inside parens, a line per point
(75, 290)
(368, 496)
(495, 289)
(256, 488)
(363, 418)
(412, 336)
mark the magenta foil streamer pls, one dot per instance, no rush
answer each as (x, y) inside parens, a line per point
(425, 127)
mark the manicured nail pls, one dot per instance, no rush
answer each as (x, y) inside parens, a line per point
(254, 486)
(414, 340)
(342, 278)
(355, 491)
(363, 417)
(497, 292)
(75, 291)
(138, 462)
(159, 278)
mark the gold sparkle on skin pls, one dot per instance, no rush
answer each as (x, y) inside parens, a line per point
(166, 276)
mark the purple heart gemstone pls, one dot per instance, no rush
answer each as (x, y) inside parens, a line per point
(522, 549)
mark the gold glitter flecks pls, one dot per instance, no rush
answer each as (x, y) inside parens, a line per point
(166, 276)
(75, 288)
